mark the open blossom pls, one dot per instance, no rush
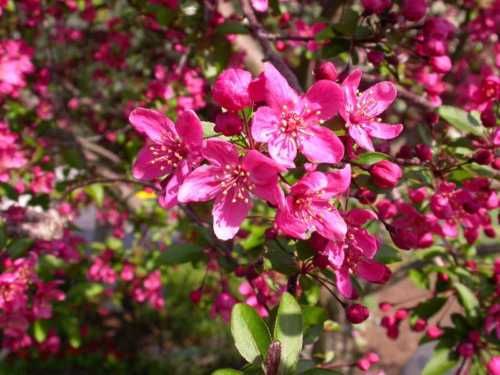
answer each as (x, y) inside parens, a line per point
(355, 254)
(15, 64)
(172, 150)
(289, 122)
(308, 207)
(260, 5)
(231, 180)
(361, 111)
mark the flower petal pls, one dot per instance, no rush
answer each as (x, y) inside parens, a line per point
(149, 163)
(262, 170)
(339, 180)
(189, 128)
(228, 214)
(283, 150)
(383, 131)
(344, 284)
(335, 254)
(361, 137)
(377, 98)
(278, 92)
(220, 153)
(329, 223)
(350, 88)
(289, 224)
(311, 182)
(265, 124)
(321, 145)
(326, 97)
(372, 271)
(200, 185)
(230, 89)
(157, 127)
(359, 216)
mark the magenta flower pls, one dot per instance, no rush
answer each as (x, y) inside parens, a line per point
(308, 208)
(231, 89)
(360, 111)
(260, 5)
(355, 254)
(291, 122)
(231, 180)
(172, 150)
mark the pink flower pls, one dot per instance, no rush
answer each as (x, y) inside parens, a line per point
(260, 5)
(223, 306)
(308, 208)
(360, 111)
(357, 313)
(290, 122)
(231, 180)
(228, 123)
(231, 89)
(325, 70)
(414, 10)
(376, 6)
(172, 150)
(355, 254)
(492, 322)
(493, 366)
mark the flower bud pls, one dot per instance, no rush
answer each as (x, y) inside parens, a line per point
(365, 195)
(375, 57)
(466, 349)
(376, 6)
(373, 357)
(386, 174)
(401, 314)
(325, 70)
(357, 313)
(363, 364)
(414, 10)
(419, 325)
(493, 366)
(195, 295)
(434, 332)
(231, 89)
(441, 64)
(384, 306)
(228, 123)
(483, 157)
(423, 152)
(488, 117)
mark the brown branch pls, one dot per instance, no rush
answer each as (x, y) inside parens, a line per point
(259, 33)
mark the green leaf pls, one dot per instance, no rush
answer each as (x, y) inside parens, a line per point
(3, 236)
(71, 327)
(74, 157)
(467, 299)
(467, 122)
(388, 254)
(96, 192)
(181, 253)
(288, 331)
(371, 157)
(250, 333)
(226, 371)
(428, 308)
(232, 27)
(39, 331)
(18, 247)
(419, 278)
(440, 363)
(281, 257)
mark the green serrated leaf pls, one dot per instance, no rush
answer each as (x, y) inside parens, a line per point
(440, 363)
(288, 330)
(467, 122)
(250, 333)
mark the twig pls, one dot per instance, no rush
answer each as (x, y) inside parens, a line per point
(259, 33)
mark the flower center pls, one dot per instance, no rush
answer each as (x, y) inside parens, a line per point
(168, 155)
(236, 180)
(291, 123)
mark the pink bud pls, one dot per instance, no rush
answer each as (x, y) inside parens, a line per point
(373, 357)
(365, 195)
(441, 64)
(419, 325)
(466, 349)
(228, 123)
(488, 117)
(413, 10)
(325, 70)
(384, 306)
(423, 152)
(231, 89)
(376, 6)
(357, 313)
(375, 57)
(434, 332)
(196, 295)
(417, 195)
(484, 157)
(260, 5)
(401, 314)
(386, 174)
(363, 364)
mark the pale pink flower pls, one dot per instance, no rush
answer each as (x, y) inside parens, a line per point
(361, 111)
(290, 122)
(172, 150)
(308, 207)
(231, 180)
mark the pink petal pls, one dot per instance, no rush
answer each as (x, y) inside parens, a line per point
(278, 92)
(189, 128)
(155, 125)
(263, 170)
(228, 214)
(271, 193)
(377, 98)
(344, 284)
(220, 153)
(383, 131)
(289, 224)
(335, 254)
(265, 124)
(168, 198)
(330, 224)
(231, 89)
(350, 88)
(149, 164)
(364, 241)
(256, 89)
(326, 97)
(321, 145)
(260, 5)
(283, 150)
(339, 180)
(372, 271)
(361, 137)
(359, 216)
(311, 182)
(200, 185)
